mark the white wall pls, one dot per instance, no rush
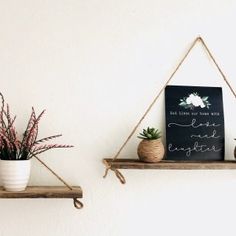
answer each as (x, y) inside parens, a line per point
(95, 66)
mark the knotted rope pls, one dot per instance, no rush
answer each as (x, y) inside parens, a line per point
(116, 171)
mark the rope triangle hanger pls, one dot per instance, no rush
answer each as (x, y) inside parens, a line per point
(198, 39)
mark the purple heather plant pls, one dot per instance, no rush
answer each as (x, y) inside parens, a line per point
(13, 148)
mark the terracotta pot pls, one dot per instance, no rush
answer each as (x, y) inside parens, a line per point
(15, 174)
(151, 150)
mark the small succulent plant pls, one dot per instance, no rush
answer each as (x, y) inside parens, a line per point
(150, 134)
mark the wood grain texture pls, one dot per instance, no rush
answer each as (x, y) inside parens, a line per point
(44, 192)
(170, 165)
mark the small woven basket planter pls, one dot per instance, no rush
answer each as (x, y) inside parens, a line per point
(151, 150)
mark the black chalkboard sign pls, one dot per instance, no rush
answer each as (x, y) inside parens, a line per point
(194, 123)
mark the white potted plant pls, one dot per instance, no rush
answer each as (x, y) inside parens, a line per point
(16, 153)
(151, 148)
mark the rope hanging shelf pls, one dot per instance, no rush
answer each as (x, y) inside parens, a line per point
(115, 163)
(46, 192)
(55, 192)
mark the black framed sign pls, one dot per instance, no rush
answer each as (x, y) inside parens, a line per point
(194, 123)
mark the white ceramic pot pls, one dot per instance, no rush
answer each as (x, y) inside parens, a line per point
(15, 174)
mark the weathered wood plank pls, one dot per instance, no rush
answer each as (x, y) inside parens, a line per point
(44, 192)
(172, 165)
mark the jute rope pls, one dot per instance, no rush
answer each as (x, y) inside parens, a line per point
(53, 172)
(116, 171)
(77, 203)
(198, 39)
(217, 66)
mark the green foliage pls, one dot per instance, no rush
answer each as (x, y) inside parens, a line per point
(150, 134)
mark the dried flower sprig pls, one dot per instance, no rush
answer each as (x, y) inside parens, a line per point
(11, 147)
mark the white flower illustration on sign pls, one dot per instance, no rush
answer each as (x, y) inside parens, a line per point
(194, 100)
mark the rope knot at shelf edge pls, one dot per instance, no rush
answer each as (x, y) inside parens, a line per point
(198, 39)
(78, 204)
(116, 171)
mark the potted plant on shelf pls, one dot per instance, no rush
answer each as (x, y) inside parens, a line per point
(15, 152)
(151, 148)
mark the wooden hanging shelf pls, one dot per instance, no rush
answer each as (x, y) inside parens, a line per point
(116, 163)
(46, 192)
(170, 165)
